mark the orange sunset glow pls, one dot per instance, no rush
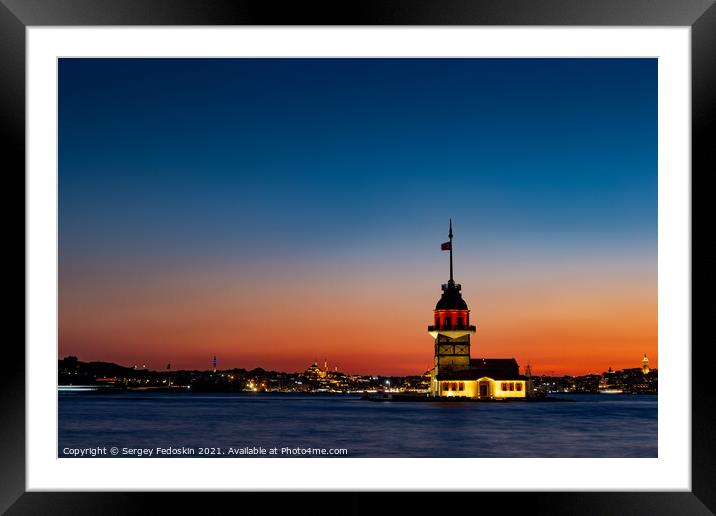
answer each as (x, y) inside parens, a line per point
(562, 321)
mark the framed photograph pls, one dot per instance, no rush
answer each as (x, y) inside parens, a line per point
(419, 247)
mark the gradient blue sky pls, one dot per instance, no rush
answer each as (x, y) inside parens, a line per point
(221, 179)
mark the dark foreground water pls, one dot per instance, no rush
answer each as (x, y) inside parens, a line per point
(599, 425)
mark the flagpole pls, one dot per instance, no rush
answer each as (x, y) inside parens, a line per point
(450, 235)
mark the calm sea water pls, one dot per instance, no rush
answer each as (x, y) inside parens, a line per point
(590, 426)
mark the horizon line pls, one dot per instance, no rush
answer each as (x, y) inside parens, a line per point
(135, 367)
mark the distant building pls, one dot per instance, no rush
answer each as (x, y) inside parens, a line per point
(324, 380)
(454, 373)
(314, 372)
(608, 384)
(645, 365)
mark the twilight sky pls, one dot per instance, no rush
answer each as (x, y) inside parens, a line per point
(281, 211)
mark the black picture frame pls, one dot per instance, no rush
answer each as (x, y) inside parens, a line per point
(700, 15)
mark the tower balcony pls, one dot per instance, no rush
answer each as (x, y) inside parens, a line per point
(452, 331)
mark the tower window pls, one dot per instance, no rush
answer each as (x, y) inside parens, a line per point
(462, 386)
(504, 386)
(512, 386)
(448, 322)
(459, 321)
(519, 386)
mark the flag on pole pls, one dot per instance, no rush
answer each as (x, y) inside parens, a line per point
(446, 246)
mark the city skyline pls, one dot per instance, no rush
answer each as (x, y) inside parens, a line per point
(279, 211)
(326, 366)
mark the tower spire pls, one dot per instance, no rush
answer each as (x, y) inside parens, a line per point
(450, 235)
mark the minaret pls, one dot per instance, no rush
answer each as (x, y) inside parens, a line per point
(451, 329)
(645, 365)
(213, 363)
